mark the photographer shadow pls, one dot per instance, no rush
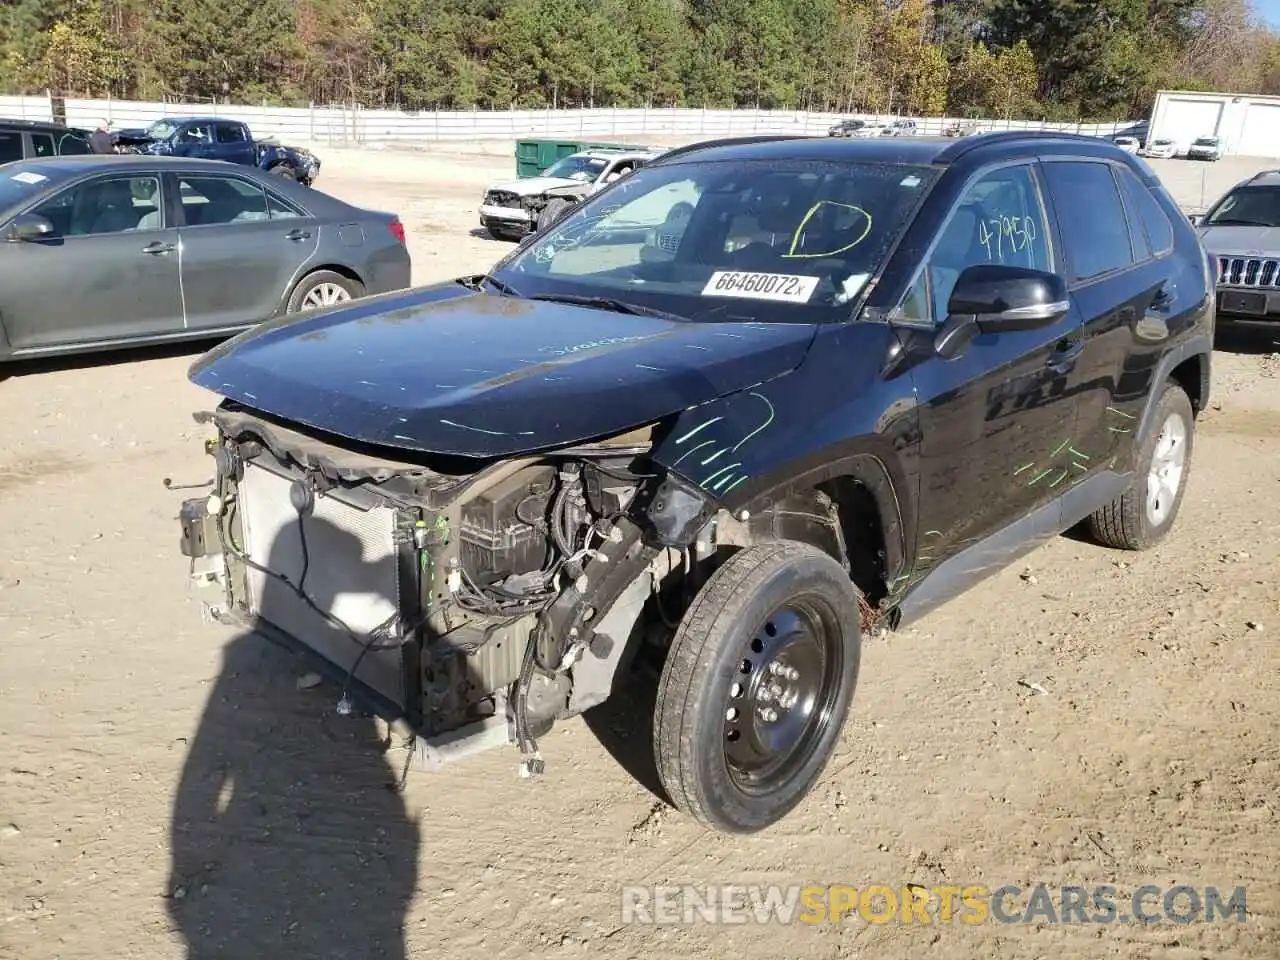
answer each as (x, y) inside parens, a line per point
(290, 838)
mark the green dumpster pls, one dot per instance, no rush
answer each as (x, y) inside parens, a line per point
(534, 156)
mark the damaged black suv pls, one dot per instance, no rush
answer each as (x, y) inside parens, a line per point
(733, 412)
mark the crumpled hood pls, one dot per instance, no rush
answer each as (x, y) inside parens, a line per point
(448, 371)
(534, 185)
(1241, 241)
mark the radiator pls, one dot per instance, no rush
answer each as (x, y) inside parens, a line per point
(351, 573)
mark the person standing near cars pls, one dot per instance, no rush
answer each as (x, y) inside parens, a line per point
(100, 139)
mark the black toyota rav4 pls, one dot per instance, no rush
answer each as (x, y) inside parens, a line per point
(735, 411)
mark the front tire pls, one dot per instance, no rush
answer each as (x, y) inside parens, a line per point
(553, 211)
(283, 171)
(321, 289)
(757, 686)
(1141, 516)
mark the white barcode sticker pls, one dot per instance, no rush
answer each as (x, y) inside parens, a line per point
(782, 287)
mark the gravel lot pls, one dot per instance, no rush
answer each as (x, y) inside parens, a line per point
(167, 790)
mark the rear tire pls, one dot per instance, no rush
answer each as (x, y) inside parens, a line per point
(321, 289)
(757, 686)
(1141, 516)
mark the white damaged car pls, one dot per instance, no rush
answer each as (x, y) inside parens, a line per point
(513, 209)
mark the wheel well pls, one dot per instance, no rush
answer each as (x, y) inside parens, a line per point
(1190, 376)
(332, 268)
(839, 516)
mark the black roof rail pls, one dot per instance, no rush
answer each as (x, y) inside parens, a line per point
(975, 141)
(728, 142)
(1263, 173)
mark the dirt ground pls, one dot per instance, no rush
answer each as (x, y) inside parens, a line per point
(167, 790)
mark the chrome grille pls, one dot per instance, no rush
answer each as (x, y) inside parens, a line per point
(1249, 272)
(501, 198)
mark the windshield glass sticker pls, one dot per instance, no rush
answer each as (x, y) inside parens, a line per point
(910, 182)
(760, 286)
(838, 221)
(28, 177)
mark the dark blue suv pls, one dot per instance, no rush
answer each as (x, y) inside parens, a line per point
(217, 138)
(733, 411)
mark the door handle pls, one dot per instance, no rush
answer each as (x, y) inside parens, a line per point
(298, 235)
(158, 248)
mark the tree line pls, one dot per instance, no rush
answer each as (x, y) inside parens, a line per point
(1022, 59)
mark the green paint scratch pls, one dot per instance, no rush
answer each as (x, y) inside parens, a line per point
(933, 533)
(1119, 429)
(1080, 466)
(1039, 477)
(1062, 476)
(725, 479)
(1127, 416)
(1062, 446)
(1076, 453)
(741, 479)
(1025, 466)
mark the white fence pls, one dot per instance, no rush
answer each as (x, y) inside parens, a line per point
(26, 108)
(338, 124)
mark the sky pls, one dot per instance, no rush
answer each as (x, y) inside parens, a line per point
(1270, 11)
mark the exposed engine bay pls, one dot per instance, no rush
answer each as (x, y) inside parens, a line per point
(479, 605)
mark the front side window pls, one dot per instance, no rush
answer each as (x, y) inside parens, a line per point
(198, 133)
(1001, 219)
(1251, 206)
(42, 144)
(1094, 227)
(105, 206)
(771, 240)
(209, 201)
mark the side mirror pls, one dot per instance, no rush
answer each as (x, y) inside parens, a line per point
(992, 298)
(1195, 218)
(1000, 298)
(30, 227)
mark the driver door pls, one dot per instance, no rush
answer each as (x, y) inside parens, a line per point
(997, 421)
(109, 272)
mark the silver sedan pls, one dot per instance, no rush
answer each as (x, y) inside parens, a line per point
(99, 252)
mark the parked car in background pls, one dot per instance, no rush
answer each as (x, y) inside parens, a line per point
(849, 128)
(962, 128)
(854, 380)
(1205, 148)
(1161, 148)
(23, 139)
(1242, 233)
(901, 128)
(1127, 144)
(512, 209)
(113, 251)
(216, 138)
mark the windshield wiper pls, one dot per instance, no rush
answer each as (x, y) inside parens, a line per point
(1233, 222)
(609, 303)
(477, 283)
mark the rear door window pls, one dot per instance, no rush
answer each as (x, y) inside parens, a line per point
(42, 144)
(10, 146)
(1148, 212)
(1092, 217)
(71, 144)
(231, 133)
(213, 200)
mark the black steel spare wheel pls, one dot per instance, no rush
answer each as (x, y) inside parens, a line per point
(757, 686)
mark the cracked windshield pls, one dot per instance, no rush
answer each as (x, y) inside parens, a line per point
(699, 239)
